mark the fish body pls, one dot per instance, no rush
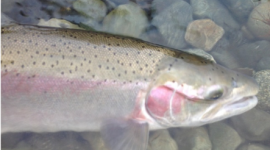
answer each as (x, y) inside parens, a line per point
(62, 79)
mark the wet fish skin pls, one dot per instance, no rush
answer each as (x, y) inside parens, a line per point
(61, 79)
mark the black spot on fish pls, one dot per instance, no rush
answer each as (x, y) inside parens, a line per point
(34, 63)
(81, 64)
(88, 70)
(22, 66)
(99, 66)
(63, 56)
(71, 64)
(75, 56)
(95, 56)
(43, 63)
(52, 66)
(37, 52)
(107, 60)
(62, 73)
(12, 62)
(82, 52)
(107, 68)
(143, 46)
(210, 79)
(89, 61)
(18, 52)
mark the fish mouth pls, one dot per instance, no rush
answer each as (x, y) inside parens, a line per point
(235, 108)
(243, 103)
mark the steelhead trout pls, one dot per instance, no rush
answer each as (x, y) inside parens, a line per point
(63, 79)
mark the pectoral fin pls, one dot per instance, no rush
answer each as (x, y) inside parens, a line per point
(124, 134)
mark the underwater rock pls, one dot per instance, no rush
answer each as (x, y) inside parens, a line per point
(263, 79)
(253, 146)
(172, 23)
(224, 55)
(263, 64)
(203, 34)
(25, 11)
(215, 11)
(191, 138)
(161, 140)
(128, 19)
(251, 53)
(152, 35)
(253, 125)
(159, 5)
(240, 8)
(95, 140)
(259, 21)
(9, 140)
(223, 137)
(57, 141)
(4, 20)
(94, 9)
(201, 53)
(59, 23)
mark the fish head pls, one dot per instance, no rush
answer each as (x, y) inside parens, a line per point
(194, 92)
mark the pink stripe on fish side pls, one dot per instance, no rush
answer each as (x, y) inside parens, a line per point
(12, 82)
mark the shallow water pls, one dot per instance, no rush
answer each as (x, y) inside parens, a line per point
(236, 43)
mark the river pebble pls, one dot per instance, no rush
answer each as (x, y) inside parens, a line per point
(203, 34)
(128, 19)
(161, 140)
(94, 9)
(191, 138)
(259, 21)
(251, 53)
(215, 11)
(253, 125)
(224, 137)
(253, 146)
(172, 23)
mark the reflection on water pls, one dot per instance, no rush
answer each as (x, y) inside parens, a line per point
(235, 32)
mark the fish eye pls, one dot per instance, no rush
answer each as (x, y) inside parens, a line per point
(214, 95)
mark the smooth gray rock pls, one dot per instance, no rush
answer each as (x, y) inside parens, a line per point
(253, 146)
(253, 125)
(94, 9)
(22, 146)
(95, 140)
(203, 33)
(6, 21)
(191, 138)
(128, 19)
(240, 8)
(201, 53)
(263, 64)
(251, 53)
(172, 23)
(224, 55)
(161, 140)
(259, 21)
(215, 11)
(10, 140)
(57, 141)
(223, 137)
(24, 11)
(58, 23)
(159, 5)
(6, 6)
